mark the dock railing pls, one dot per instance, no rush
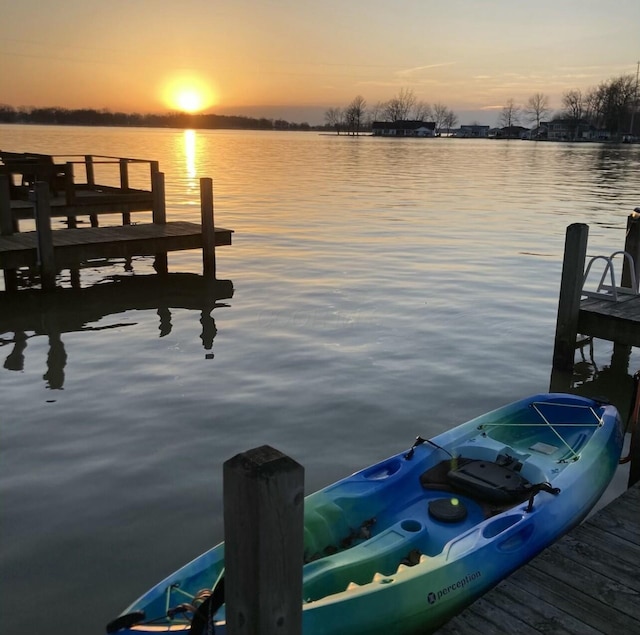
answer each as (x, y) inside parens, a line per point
(111, 184)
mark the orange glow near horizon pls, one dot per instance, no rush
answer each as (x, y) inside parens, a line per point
(188, 93)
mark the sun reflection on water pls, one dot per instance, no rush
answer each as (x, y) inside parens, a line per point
(190, 152)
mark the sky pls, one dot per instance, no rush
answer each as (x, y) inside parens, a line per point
(294, 59)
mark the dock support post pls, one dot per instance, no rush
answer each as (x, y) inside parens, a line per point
(575, 253)
(263, 526)
(69, 193)
(88, 166)
(208, 228)
(159, 217)
(91, 182)
(6, 228)
(632, 247)
(159, 213)
(45, 236)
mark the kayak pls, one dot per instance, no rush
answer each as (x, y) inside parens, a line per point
(405, 544)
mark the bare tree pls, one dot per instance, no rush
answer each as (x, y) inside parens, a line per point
(354, 114)
(334, 117)
(573, 102)
(400, 107)
(510, 115)
(537, 107)
(422, 111)
(611, 104)
(450, 121)
(574, 108)
(439, 112)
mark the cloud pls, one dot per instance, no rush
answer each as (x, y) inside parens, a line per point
(418, 69)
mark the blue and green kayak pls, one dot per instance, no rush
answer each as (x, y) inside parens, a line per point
(404, 545)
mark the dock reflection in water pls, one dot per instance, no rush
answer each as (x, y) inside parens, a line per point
(32, 313)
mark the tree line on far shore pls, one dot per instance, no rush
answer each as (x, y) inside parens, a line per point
(609, 106)
(405, 106)
(90, 117)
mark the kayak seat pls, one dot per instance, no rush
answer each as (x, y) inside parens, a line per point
(494, 485)
(494, 482)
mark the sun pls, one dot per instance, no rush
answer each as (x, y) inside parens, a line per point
(188, 93)
(189, 100)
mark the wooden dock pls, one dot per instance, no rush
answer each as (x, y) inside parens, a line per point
(612, 310)
(614, 321)
(35, 187)
(72, 246)
(586, 583)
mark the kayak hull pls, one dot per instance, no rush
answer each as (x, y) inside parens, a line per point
(405, 544)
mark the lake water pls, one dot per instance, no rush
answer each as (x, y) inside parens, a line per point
(382, 289)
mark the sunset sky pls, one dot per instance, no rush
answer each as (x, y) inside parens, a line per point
(295, 58)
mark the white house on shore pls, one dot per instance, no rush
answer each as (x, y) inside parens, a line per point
(403, 129)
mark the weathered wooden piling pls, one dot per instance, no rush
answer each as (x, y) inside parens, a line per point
(575, 253)
(45, 236)
(208, 229)
(263, 524)
(7, 227)
(632, 247)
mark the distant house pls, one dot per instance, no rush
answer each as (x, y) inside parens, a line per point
(539, 133)
(568, 129)
(509, 132)
(403, 129)
(473, 131)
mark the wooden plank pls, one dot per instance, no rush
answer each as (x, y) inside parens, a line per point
(613, 321)
(574, 602)
(74, 245)
(611, 544)
(543, 616)
(592, 556)
(485, 617)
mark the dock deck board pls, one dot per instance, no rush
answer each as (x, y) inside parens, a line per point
(75, 245)
(614, 321)
(586, 583)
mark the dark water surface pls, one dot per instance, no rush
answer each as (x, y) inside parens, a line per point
(381, 289)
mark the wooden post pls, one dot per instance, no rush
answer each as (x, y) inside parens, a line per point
(159, 214)
(69, 185)
(124, 174)
(45, 236)
(6, 228)
(6, 216)
(88, 166)
(263, 526)
(70, 193)
(575, 253)
(632, 247)
(208, 228)
(124, 186)
(91, 182)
